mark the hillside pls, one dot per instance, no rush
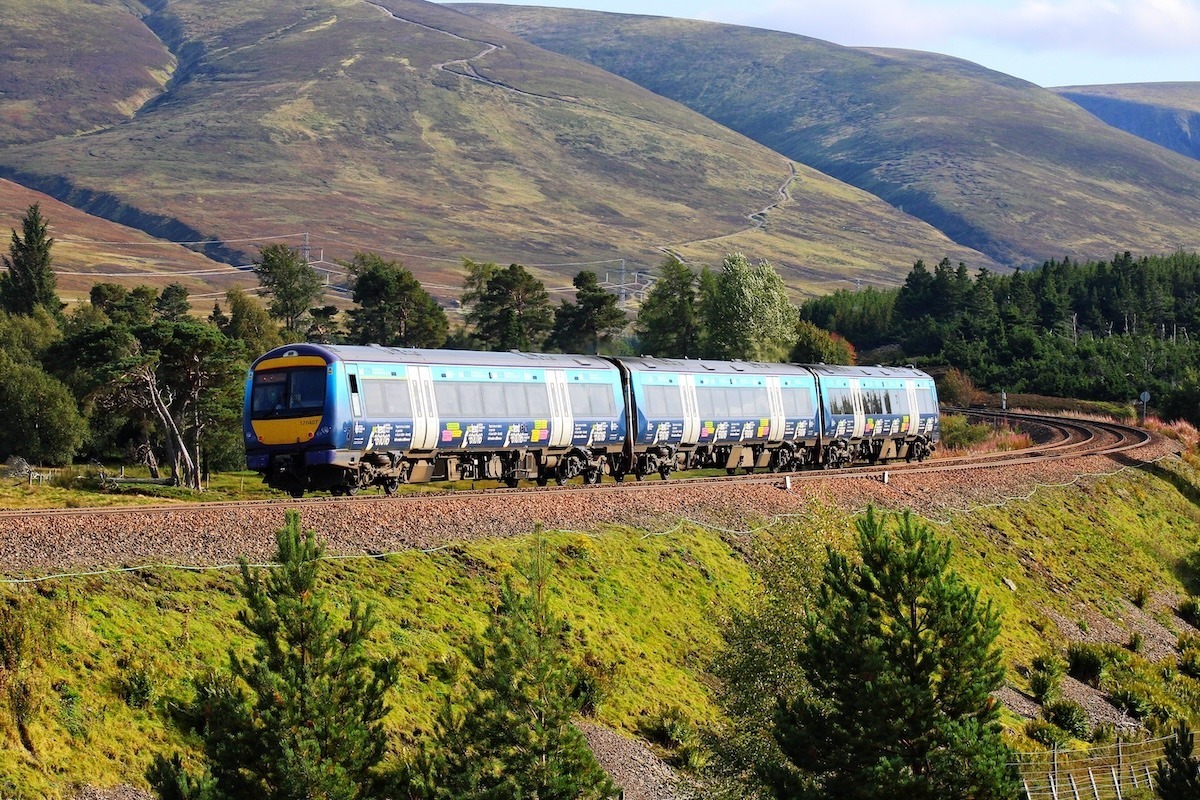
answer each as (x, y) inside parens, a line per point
(1163, 113)
(406, 128)
(69, 67)
(89, 250)
(1098, 559)
(997, 164)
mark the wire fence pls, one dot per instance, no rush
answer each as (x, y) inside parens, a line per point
(1097, 773)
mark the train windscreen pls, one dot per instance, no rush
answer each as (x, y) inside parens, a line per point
(285, 393)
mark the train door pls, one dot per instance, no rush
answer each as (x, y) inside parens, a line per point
(562, 418)
(691, 410)
(425, 421)
(860, 416)
(914, 412)
(775, 403)
(356, 405)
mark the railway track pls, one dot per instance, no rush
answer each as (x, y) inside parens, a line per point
(1058, 438)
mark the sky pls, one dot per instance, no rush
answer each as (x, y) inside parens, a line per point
(1047, 42)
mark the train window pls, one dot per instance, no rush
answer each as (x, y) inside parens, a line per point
(897, 401)
(447, 400)
(537, 400)
(925, 401)
(291, 393)
(592, 400)
(662, 401)
(396, 399)
(387, 399)
(872, 401)
(797, 402)
(840, 401)
(712, 403)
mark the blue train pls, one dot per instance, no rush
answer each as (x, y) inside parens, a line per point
(341, 418)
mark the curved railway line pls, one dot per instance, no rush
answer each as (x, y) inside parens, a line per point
(50, 540)
(1062, 437)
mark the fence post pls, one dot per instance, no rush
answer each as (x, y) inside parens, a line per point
(1116, 782)
(1095, 789)
(1074, 787)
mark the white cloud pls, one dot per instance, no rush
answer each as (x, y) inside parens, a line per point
(1113, 26)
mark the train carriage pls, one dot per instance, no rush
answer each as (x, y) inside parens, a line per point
(731, 414)
(385, 416)
(876, 414)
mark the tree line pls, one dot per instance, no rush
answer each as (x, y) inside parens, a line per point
(1102, 330)
(131, 374)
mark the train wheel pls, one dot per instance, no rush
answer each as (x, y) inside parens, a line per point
(512, 482)
(592, 477)
(337, 491)
(731, 470)
(619, 476)
(351, 490)
(542, 479)
(391, 486)
(296, 492)
(664, 472)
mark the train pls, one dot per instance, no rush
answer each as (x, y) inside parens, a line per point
(341, 418)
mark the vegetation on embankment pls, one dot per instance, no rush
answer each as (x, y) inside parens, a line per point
(107, 662)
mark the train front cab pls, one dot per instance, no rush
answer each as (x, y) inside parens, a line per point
(291, 395)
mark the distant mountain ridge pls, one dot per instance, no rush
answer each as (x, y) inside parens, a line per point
(1164, 113)
(995, 163)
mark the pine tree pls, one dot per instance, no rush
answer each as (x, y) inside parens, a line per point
(292, 283)
(303, 716)
(668, 323)
(393, 308)
(582, 326)
(511, 735)
(1179, 770)
(513, 311)
(900, 658)
(28, 281)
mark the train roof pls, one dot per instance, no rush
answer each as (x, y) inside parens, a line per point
(700, 365)
(841, 371)
(378, 354)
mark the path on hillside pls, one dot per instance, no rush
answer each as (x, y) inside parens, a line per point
(468, 70)
(759, 218)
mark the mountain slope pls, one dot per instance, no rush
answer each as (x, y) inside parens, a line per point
(998, 164)
(89, 250)
(406, 128)
(68, 67)
(1164, 113)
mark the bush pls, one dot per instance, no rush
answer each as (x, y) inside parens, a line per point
(959, 434)
(1189, 610)
(1046, 680)
(139, 686)
(673, 730)
(1046, 733)
(1090, 663)
(957, 389)
(1069, 716)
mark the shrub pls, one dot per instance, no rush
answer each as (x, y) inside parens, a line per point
(959, 434)
(139, 686)
(1189, 610)
(1046, 680)
(1046, 733)
(1141, 596)
(1069, 716)
(1136, 642)
(673, 730)
(1090, 663)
